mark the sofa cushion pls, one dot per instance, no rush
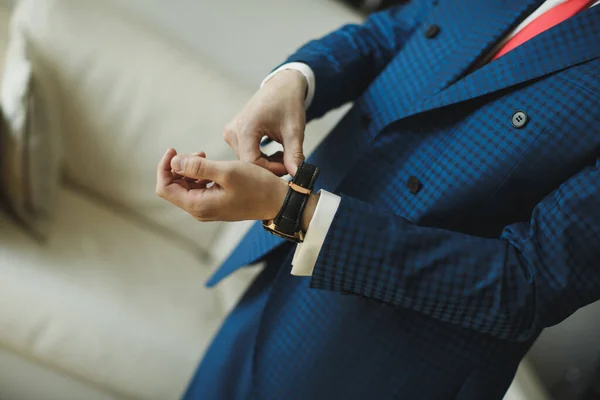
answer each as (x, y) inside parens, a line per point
(30, 132)
(128, 94)
(5, 13)
(107, 300)
(24, 378)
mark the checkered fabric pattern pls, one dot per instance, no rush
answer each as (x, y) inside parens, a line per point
(459, 236)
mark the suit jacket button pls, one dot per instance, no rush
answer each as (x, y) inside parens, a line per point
(519, 119)
(432, 31)
(413, 185)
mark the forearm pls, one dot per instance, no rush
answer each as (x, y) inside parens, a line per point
(532, 276)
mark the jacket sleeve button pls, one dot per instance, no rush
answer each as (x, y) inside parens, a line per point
(432, 31)
(413, 185)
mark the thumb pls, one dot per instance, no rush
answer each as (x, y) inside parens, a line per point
(292, 153)
(197, 167)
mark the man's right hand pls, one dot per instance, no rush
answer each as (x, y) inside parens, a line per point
(277, 111)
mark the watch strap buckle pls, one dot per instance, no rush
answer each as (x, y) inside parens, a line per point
(297, 188)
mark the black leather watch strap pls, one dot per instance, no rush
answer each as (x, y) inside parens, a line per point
(289, 218)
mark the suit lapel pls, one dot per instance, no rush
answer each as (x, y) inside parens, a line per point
(574, 41)
(469, 28)
(487, 23)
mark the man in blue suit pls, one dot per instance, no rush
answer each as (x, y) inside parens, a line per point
(459, 210)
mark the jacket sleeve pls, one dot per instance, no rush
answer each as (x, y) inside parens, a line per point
(346, 61)
(533, 275)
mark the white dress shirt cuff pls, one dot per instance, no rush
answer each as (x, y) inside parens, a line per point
(307, 252)
(305, 70)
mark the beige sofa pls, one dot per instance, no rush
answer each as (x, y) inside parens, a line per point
(112, 304)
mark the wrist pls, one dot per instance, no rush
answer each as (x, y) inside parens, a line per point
(291, 79)
(276, 199)
(277, 202)
(298, 207)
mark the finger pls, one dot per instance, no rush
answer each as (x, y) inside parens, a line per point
(174, 193)
(165, 161)
(292, 152)
(276, 165)
(191, 185)
(195, 184)
(273, 163)
(163, 174)
(183, 183)
(231, 139)
(199, 168)
(249, 149)
(178, 176)
(250, 152)
(276, 157)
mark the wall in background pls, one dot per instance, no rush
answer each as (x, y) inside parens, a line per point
(257, 34)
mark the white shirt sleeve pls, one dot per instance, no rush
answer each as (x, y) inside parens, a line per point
(305, 70)
(307, 252)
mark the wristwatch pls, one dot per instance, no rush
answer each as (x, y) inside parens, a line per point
(287, 223)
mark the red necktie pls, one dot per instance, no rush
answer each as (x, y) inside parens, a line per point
(547, 20)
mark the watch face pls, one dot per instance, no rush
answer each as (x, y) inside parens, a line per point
(297, 237)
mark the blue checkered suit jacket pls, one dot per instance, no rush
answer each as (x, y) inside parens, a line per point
(459, 237)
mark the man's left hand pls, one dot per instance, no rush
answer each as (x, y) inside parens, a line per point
(241, 190)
